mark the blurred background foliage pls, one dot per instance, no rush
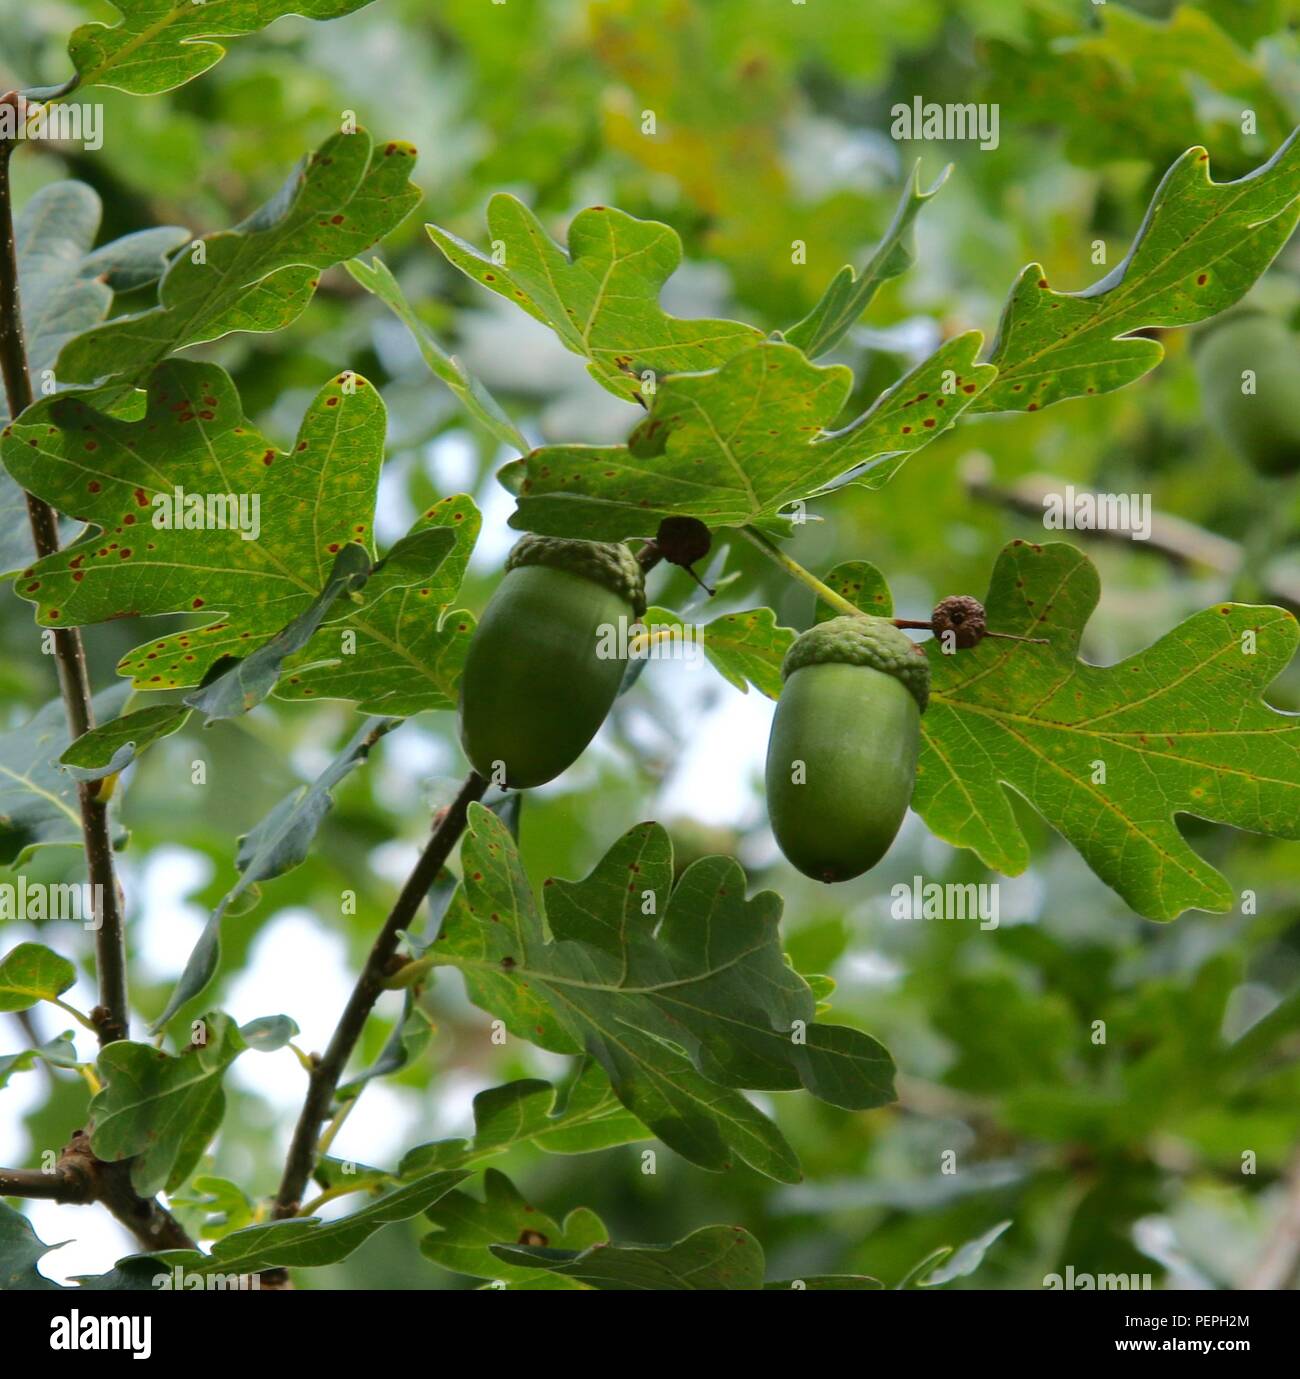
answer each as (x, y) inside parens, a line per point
(771, 125)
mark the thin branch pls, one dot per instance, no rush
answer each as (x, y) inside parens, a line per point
(80, 1177)
(112, 1015)
(81, 1172)
(324, 1078)
(62, 1185)
(1183, 544)
(145, 1217)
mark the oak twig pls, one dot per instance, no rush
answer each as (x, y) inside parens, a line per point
(110, 1184)
(1182, 544)
(324, 1077)
(80, 1177)
(112, 1016)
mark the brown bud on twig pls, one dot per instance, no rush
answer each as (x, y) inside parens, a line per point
(962, 618)
(961, 615)
(108, 1028)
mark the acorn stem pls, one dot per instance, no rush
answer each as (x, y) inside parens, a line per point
(792, 567)
(649, 555)
(926, 625)
(712, 593)
(841, 604)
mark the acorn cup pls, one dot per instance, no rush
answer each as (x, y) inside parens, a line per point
(1251, 350)
(841, 759)
(548, 657)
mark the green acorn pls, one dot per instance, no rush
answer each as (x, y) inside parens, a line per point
(841, 760)
(1263, 425)
(548, 657)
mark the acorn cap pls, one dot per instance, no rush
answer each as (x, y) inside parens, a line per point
(863, 641)
(609, 563)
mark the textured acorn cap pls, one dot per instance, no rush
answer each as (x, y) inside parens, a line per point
(865, 641)
(603, 562)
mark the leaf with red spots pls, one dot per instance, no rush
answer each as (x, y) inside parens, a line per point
(193, 458)
(1200, 248)
(736, 445)
(862, 584)
(601, 298)
(160, 44)
(712, 1259)
(260, 275)
(308, 505)
(1110, 756)
(681, 993)
(468, 1228)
